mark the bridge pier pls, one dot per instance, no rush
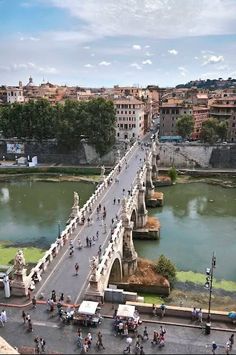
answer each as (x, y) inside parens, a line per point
(141, 210)
(129, 260)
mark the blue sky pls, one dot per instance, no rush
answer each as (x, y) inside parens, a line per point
(107, 42)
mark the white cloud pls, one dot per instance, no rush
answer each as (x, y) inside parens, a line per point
(212, 59)
(148, 54)
(92, 54)
(173, 51)
(34, 67)
(196, 57)
(86, 47)
(88, 65)
(139, 18)
(30, 38)
(183, 71)
(104, 63)
(148, 61)
(147, 46)
(136, 47)
(136, 66)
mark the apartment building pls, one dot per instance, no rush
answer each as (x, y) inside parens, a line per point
(169, 114)
(200, 114)
(129, 118)
(224, 109)
(15, 94)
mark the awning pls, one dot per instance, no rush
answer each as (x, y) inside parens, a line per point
(88, 307)
(126, 311)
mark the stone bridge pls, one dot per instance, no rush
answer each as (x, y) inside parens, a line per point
(130, 179)
(120, 257)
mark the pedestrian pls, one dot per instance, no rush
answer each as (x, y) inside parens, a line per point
(227, 347)
(118, 201)
(129, 342)
(43, 344)
(155, 339)
(27, 317)
(231, 339)
(54, 297)
(199, 315)
(213, 348)
(88, 221)
(162, 331)
(37, 348)
(141, 352)
(97, 234)
(114, 201)
(79, 338)
(99, 340)
(34, 302)
(145, 333)
(71, 252)
(93, 240)
(163, 310)
(90, 242)
(1, 320)
(76, 268)
(123, 192)
(61, 298)
(30, 325)
(194, 314)
(23, 315)
(87, 241)
(126, 330)
(4, 316)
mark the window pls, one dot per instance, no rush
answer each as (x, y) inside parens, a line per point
(121, 112)
(130, 112)
(133, 112)
(117, 111)
(126, 112)
(118, 134)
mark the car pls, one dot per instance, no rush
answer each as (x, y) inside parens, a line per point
(224, 142)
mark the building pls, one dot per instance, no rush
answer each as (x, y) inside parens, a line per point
(129, 118)
(224, 109)
(200, 114)
(15, 94)
(169, 114)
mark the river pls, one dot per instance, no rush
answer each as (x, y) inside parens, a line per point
(196, 220)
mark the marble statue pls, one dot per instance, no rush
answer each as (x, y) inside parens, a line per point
(19, 261)
(94, 264)
(103, 170)
(76, 199)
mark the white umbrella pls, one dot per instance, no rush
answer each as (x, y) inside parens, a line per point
(129, 340)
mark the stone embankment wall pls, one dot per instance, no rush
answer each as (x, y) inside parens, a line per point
(48, 152)
(198, 155)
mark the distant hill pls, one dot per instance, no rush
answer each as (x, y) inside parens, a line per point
(210, 84)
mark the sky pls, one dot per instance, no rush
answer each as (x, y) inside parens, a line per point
(102, 43)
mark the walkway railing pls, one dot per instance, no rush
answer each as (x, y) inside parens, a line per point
(51, 253)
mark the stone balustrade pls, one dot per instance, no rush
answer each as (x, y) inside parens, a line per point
(51, 253)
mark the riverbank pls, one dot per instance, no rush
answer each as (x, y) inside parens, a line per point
(8, 252)
(188, 291)
(224, 181)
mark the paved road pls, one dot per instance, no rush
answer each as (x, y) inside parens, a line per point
(60, 276)
(62, 338)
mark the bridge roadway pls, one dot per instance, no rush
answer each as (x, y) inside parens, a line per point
(60, 275)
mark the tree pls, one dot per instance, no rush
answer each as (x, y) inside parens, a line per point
(166, 268)
(172, 173)
(209, 131)
(185, 124)
(222, 130)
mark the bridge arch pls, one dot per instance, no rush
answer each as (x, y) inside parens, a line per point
(133, 218)
(115, 274)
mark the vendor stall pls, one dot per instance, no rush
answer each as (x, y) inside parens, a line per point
(88, 314)
(127, 315)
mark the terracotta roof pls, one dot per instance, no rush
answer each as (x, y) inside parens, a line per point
(132, 101)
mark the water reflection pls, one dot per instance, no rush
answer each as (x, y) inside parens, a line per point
(4, 195)
(195, 220)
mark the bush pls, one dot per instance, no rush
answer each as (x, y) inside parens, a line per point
(172, 173)
(166, 268)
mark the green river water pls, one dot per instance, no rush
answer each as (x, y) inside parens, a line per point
(196, 220)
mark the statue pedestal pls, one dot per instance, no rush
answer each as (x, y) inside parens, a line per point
(74, 212)
(20, 284)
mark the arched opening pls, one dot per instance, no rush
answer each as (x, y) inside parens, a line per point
(133, 218)
(116, 272)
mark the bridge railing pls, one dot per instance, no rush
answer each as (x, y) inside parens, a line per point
(66, 233)
(109, 251)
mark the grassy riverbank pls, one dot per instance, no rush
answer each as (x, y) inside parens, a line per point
(190, 291)
(8, 252)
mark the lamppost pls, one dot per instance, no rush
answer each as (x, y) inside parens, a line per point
(208, 285)
(59, 229)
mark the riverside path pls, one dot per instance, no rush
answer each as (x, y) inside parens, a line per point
(60, 275)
